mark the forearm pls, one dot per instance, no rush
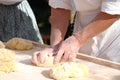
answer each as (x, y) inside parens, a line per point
(59, 23)
(101, 22)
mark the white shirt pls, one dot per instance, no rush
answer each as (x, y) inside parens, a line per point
(101, 45)
(88, 8)
(9, 2)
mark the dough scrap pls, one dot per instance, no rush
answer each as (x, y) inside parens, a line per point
(62, 71)
(2, 44)
(19, 44)
(7, 61)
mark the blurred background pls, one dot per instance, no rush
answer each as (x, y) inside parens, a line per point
(41, 10)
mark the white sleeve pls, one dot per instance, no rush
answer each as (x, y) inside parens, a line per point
(66, 4)
(9, 2)
(111, 6)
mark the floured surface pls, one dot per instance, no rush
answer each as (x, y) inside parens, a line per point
(100, 72)
(27, 71)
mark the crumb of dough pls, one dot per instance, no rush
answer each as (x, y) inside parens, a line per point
(48, 62)
(7, 61)
(2, 44)
(62, 71)
(19, 44)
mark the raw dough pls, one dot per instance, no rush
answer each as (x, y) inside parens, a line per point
(7, 60)
(47, 63)
(2, 44)
(19, 44)
(62, 71)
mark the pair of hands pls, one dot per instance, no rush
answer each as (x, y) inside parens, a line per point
(67, 51)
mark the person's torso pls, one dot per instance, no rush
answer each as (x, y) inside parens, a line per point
(86, 5)
(86, 11)
(106, 44)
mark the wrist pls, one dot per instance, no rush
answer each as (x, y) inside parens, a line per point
(77, 38)
(55, 47)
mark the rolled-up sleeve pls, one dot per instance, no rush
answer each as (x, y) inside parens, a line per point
(111, 7)
(65, 4)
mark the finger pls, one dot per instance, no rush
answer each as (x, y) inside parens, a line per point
(72, 57)
(58, 56)
(51, 53)
(42, 57)
(34, 58)
(65, 57)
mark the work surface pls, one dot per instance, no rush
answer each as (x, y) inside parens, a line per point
(28, 71)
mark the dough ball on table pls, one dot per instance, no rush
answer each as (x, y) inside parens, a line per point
(62, 71)
(2, 44)
(7, 61)
(48, 62)
(19, 44)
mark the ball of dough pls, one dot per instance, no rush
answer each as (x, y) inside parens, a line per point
(48, 62)
(62, 71)
(19, 44)
(7, 60)
(2, 44)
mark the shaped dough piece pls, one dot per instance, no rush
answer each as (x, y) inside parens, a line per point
(7, 60)
(2, 44)
(62, 71)
(19, 44)
(47, 63)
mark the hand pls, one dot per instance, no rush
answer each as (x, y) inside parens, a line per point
(40, 56)
(68, 50)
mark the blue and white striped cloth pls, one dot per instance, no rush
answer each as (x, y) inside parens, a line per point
(18, 21)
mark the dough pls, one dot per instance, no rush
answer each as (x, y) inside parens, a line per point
(62, 71)
(2, 44)
(47, 63)
(19, 44)
(7, 60)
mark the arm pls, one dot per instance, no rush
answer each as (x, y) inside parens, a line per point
(69, 48)
(101, 22)
(59, 23)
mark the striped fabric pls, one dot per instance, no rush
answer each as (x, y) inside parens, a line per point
(18, 21)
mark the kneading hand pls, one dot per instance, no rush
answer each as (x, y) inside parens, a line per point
(67, 50)
(40, 56)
